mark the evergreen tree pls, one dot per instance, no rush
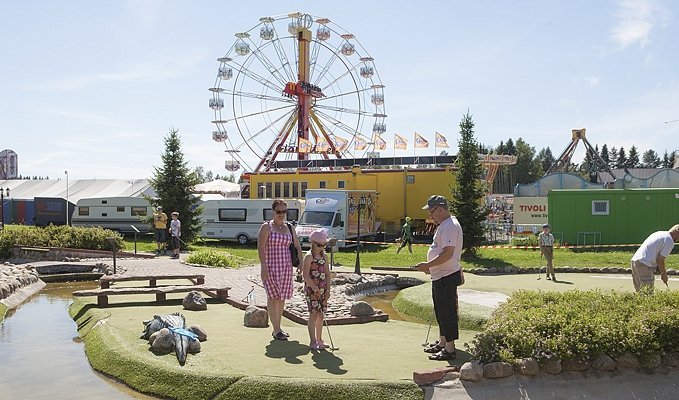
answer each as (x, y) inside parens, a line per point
(666, 160)
(650, 159)
(621, 162)
(546, 159)
(527, 168)
(173, 183)
(604, 154)
(672, 159)
(632, 158)
(468, 192)
(613, 158)
(509, 147)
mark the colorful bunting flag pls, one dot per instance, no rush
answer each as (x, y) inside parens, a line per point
(440, 141)
(305, 145)
(360, 144)
(420, 142)
(400, 142)
(341, 144)
(380, 144)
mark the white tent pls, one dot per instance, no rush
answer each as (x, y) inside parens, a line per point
(219, 186)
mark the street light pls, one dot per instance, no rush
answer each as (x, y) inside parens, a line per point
(67, 208)
(2, 206)
(362, 201)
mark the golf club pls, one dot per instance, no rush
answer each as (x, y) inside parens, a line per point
(247, 296)
(431, 320)
(332, 345)
(540, 268)
(668, 285)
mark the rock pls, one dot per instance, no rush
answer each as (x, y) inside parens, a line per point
(338, 281)
(432, 375)
(164, 342)
(527, 366)
(153, 337)
(354, 278)
(194, 301)
(471, 371)
(200, 332)
(628, 360)
(194, 346)
(256, 317)
(603, 363)
(671, 359)
(406, 281)
(577, 364)
(492, 270)
(551, 365)
(498, 370)
(509, 270)
(653, 362)
(361, 308)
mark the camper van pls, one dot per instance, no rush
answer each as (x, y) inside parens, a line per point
(115, 213)
(240, 219)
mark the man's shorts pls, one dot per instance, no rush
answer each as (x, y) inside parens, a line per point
(160, 235)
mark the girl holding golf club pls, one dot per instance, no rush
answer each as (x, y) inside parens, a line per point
(316, 286)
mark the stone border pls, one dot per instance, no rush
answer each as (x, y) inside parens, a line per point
(36, 253)
(535, 270)
(18, 283)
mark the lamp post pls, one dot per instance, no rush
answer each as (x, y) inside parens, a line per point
(2, 206)
(66, 172)
(358, 207)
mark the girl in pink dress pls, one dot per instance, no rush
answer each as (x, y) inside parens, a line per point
(273, 244)
(316, 286)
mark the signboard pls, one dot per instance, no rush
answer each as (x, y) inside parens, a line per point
(530, 210)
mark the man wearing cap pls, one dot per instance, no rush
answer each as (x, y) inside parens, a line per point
(651, 256)
(443, 265)
(546, 241)
(160, 226)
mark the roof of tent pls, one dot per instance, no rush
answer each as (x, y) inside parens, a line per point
(219, 186)
(77, 188)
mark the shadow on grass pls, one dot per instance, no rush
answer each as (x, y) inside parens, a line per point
(328, 361)
(289, 350)
(480, 262)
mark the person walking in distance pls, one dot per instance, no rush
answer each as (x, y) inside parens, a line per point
(406, 236)
(273, 247)
(546, 241)
(176, 232)
(443, 265)
(650, 256)
(160, 227)
(316, 286)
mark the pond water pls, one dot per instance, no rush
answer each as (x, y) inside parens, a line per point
(41, 356)
(383, 301)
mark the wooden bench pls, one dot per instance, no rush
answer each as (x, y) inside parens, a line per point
(105, 281)
(219, 292)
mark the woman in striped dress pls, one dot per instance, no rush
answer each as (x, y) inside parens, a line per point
(273, 244)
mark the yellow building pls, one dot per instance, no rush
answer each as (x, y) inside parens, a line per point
(401, 192)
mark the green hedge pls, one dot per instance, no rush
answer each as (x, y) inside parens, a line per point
(212, 258)
(56, 236)
(577, 324)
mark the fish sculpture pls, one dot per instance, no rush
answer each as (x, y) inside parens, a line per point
(176, 323)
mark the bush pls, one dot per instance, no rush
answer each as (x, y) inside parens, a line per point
(212, 258)
(578, 324)
(56, 236)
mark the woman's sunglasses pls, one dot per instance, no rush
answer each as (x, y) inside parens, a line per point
(319, 244)
(281, 211)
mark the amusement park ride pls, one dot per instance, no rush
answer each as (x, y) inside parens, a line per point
(596, 163)
(296, 94)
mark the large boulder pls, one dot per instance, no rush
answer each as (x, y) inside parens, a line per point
(256, 317)
(497, 370)
(199, 331)
(527, 366)
(628, 360)
(577, 364)
(361, 308)
(551, 364)
(194, 301)
(194, 346)
(603, 363)
(671, 359)
(471, 371)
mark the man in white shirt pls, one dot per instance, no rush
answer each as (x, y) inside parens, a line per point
(443, 265)
(651, 256)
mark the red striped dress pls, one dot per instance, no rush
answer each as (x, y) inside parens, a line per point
(279, 263)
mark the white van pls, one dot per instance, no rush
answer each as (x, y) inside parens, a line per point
(115, 213)
(240, 219)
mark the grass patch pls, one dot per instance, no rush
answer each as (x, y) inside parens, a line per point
(577, 324)
(416, 302)
(3, 312)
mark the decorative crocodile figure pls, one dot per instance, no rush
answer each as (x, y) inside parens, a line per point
(176, 323)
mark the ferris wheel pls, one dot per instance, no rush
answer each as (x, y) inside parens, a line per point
(296, 87)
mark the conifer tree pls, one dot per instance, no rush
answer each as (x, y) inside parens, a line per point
(632, 158)
(468, 192)
(173, 183)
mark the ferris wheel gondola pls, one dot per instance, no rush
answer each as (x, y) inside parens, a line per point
(296, 87)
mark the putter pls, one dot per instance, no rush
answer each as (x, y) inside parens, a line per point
(668, 285)
(332, 345)
(431, 320)
(540, 268)
(247, 296)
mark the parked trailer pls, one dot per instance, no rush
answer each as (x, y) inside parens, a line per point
(240, 219)
(50, 210)
(115, 213)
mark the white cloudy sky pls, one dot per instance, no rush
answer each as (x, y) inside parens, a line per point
(92, 87)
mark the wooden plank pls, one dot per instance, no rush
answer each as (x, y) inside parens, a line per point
(122, 278)
(151, 290)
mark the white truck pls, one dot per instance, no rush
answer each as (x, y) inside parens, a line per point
(240, 219)
(337, 211)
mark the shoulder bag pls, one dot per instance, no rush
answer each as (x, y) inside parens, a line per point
(293, 249)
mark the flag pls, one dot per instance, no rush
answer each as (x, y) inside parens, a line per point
(360, 144)
(380, 144)
(400, 142)
(441, 140)
(304, 145)
(322, 146)
(420, 142)
(340, 143)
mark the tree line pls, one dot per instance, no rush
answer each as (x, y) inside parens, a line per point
(532, 164)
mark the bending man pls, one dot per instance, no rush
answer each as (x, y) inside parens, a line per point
(651, 256)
